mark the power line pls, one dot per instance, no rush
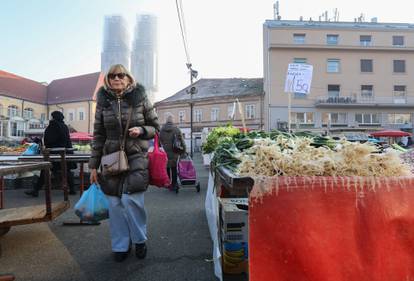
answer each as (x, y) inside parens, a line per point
(183, 20)
(180, 13)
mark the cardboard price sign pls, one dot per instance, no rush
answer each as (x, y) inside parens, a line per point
(299, 78)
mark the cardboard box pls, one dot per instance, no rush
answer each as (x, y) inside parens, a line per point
(234, 222)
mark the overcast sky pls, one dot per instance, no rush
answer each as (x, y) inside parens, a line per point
(47, 39)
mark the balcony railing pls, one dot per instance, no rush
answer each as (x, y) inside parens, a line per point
(361, 100)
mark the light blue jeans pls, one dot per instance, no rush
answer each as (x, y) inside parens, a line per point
(127, 220)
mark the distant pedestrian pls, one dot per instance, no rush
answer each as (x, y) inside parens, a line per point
(56, 135)
(119, 98)
(404, 141)
(409, 142)
(169, 134)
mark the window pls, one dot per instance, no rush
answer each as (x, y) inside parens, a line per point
(299, 60)
(28, 113)
(299, 38)
(367, 118)
(301, 118)
(71, 116)
(367, 91)
(398, 40)
(81, 114)
(334, 118)
(34, 125)
(333, 90)
(17, 129)
(365, 40)
(366, 66)
(1, 111)
(250, 111)
(399, 118)
(215, 114)
(181, 117)
(231, 111)
(332, 66)
(12, 111)
(42, 117)
(198, 115)
(332, 39)
(399, 66)
(399, 94)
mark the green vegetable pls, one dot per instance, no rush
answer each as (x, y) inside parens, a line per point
(319, 141)
(244, 143)
(216, 136)
(226, 155)
(399, 148)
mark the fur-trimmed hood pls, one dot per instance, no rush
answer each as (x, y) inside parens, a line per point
(133, 96)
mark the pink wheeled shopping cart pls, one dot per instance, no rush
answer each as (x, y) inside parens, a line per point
(186, 172)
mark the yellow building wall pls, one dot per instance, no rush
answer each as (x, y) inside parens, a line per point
(87, 107)
(38, 109)
(72, 112)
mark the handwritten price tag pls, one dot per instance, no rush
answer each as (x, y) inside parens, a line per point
(299, 78)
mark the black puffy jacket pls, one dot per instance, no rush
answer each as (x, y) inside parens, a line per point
(107, 134)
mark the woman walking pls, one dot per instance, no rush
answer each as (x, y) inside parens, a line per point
(171, 135)
(120, 103)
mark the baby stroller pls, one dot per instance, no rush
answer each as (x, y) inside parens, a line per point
(186, 172)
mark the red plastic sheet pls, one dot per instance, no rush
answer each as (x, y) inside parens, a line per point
(322, 229)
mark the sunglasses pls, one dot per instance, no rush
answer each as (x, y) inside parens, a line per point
(114, 75)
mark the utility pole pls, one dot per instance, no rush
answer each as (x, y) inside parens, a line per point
(192, 91)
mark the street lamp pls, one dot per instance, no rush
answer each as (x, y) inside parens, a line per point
(192, 91)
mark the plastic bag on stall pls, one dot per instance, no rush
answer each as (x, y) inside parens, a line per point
(212, 210)
(93, 205)
(33, 149)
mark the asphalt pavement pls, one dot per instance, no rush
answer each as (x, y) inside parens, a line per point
(179, 245)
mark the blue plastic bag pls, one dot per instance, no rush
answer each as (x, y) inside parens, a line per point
(33, 149)
(93, 205)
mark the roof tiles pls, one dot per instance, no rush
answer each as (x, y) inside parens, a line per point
(218, 88)
(72, 89)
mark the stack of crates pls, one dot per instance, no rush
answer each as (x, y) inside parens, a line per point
(234, 224)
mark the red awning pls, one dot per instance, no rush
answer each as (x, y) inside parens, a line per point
(79, 136)
(390, 133)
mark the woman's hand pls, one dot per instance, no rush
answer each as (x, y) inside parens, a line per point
(94, 176)
(135, 132)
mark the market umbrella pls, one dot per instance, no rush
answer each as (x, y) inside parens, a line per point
(390, 133)
(80, 136)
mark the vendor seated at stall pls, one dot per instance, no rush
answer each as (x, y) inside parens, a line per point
(56, 135)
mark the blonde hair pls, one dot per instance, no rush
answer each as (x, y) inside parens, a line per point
(118, 68)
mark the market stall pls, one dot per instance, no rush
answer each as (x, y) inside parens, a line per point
(81, 142)
(318, 208)
(32, 214)
(80, 159)
(59, 155)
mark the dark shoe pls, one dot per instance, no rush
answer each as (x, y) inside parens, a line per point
(141, 250)
(72, 192)
(120, 256)
(33, 193)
